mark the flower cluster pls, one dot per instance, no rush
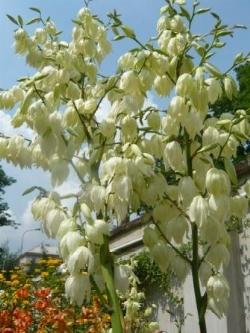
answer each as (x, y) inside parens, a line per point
(33, 301)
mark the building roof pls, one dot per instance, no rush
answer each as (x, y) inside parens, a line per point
(40, 250)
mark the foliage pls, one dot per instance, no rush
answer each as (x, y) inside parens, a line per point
(5, 217)
(8, 259)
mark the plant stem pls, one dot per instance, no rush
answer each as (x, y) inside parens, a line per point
(201, 301)
(108, 275)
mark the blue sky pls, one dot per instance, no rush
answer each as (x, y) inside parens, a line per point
(142, 16)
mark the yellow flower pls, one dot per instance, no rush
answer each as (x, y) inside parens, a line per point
(53, 262)
(2, 278)
(13, 277)
(44, 274)
(42, 261)
(15, 283)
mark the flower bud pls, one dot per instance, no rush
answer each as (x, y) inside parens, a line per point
(217, 182)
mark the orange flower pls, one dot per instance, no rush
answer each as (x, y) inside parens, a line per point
(43, 292)
(22, 293)
(41, 304)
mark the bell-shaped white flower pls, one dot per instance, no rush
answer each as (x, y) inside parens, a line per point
(173, 156)
(176, 229)
(239, 206)
(96, 230)
(78, 288)
(188, 191)
(66, 226)
(150, 236)
(81, 259)
(69, 243)
(185, 85)
(121, 277)
(214, 90)
(218, 294)
(162, 254)
(218, 256)
(220, 207)
(199, 210)
(217, 182)
(52, 222)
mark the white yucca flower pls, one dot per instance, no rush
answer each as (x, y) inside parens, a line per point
(188, 191)
(96, 230)
(59, 171)
(199, 210)
(185, 85)
(130, 83)
(150, 236)
(154, 120)
(129, 128)
(77, 288)
(218, 294)
(214, 89)
(52, 222)
(162, 85)
(178, 108)
(65, 226)
(217, 182)
(230, 87)
(81, 259)
(239, 206)
(173, 157)
(218, 256)
(69, 243)
(121, 277)
(177, 228)
(162, 254)
(220, 207)
(165, 212)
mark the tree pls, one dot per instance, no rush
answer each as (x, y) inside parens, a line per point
(172, 168)
(5, 217)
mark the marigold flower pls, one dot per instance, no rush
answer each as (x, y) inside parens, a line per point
(43, 292)
(22, 293)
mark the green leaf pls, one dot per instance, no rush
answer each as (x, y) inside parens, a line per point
(34, 9)
(230, 169)
(119, 37)
(12, 19)
(72, 132)
(224, 33)
(29, 190)
(128, 31)
(239, 26)
(20, 20)
(216, 16)
(185, 13)
(207, 148)
(202, 10)
(76, 208)
(34, 20)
